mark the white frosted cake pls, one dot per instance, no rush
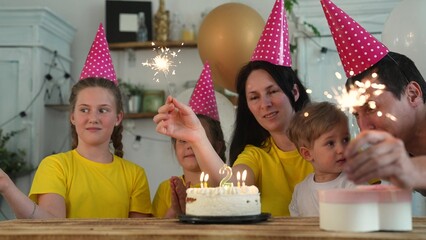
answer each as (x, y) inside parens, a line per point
(223, 201)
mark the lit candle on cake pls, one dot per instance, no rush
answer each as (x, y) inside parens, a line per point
(206, 178)
(201, 179)
(238, 178)
(244, 177)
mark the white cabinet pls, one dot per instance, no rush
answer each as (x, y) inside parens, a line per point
(34, 42)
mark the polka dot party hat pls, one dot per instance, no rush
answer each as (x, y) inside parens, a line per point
(203, 99)
(274, 45)
(98, 62)
(358, 49)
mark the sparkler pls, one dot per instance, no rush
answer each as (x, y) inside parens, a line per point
(359, 95)
(163, 62)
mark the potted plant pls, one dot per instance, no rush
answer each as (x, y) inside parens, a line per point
(132, 96)
(12, 162)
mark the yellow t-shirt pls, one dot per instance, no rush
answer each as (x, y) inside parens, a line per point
(163, 198)
(91, 189)
(276, 174)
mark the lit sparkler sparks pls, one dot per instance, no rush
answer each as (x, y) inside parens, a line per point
(358, 95)
(163, 62)
(347, 100)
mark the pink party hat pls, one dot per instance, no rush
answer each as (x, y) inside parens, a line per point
(358, 49)
(274, 44)
(98, 62)
(203, 99)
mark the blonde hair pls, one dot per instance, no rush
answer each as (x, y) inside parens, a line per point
(312, 121)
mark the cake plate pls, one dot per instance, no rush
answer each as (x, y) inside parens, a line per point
(224, 219)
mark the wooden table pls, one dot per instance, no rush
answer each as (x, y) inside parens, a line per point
(274, 228)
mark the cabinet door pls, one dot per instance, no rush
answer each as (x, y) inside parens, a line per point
(15, 93)
(15, 84)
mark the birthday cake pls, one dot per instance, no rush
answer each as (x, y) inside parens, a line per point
(365, 209)
(223, 201)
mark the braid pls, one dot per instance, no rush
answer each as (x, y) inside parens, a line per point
(74, 137)
(117, 140)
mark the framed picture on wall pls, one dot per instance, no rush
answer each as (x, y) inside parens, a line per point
(123, 19)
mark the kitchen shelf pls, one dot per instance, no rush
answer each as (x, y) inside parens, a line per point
(139, 115)
(148, 45)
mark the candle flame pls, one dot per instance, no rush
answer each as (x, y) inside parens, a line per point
(206, 177)
(244, 175)
(201, 179)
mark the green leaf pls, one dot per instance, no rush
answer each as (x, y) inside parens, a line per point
(313, 28)
(131, 89)
(12, 163)
(289, 4)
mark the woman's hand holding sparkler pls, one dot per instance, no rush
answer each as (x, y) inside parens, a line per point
(177, 120)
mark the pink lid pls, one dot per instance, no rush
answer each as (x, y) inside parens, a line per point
(365, 194)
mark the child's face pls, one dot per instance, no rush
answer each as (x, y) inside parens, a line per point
(95, 116)
(327, 152)
(186, 156)
(184, 152)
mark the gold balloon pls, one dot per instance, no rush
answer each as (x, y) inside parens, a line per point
(227, 38)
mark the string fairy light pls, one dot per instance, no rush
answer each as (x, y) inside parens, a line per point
(48, 77)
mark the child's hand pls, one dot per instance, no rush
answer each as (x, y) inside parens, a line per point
(5, 181)
(180, 189)
(178, 195)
